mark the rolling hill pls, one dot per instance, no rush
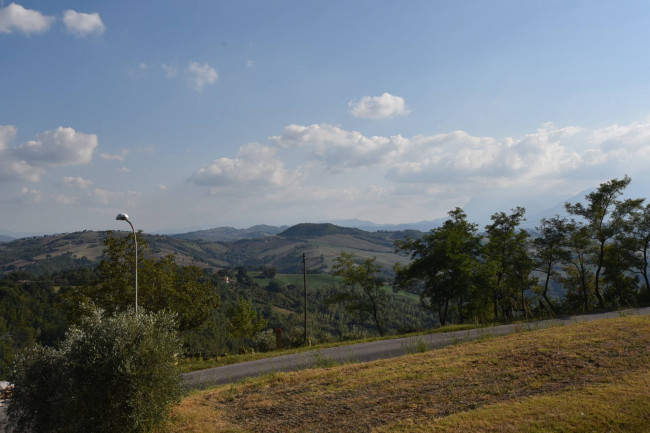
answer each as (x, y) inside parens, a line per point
(280, 247)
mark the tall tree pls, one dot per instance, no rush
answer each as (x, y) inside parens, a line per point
(635, 242)
(506, 252)
(603, 214)
(363, 287)
(578, 276)
(550, 250)
(444, 262)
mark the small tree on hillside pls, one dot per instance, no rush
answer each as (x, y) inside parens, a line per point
(363, 294)
(111, 374)
(245, 322)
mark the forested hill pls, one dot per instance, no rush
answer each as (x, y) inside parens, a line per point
(320, 243)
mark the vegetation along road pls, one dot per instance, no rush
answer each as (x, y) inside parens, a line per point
(374, 350)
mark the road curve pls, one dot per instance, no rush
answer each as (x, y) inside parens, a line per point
(374, 350)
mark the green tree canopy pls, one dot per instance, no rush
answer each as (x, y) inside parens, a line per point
(162, 284)
(444, 262)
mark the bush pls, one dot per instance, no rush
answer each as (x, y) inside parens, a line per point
(111, 374)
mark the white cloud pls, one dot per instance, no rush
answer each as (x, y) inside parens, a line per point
(124, 170)
(111, 157)
(64, 199)
(10, 167)
(200, 75)
(83, 24)
(170, 71)
(78, 182)
(250, 63)
(12, 170)
(379, 107)
(31, 194)
(7, 133)
(341, 149)
(28, 21)
(116, 156)
(63, 146)
(255, 165)
(107, 197)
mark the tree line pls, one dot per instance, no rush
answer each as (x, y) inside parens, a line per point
(597, 256)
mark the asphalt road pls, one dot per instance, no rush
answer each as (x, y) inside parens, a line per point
(371, 351)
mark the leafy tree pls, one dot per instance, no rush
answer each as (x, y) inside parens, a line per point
(635, 243)
(363, 294)
(603, 214)
(550, 250)
(162, 284)
(620, 286)
(578, 276)
(245, 322)
(111, 374)
(506, 253)
(444, 262)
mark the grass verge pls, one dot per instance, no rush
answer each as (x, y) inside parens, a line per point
(583, 377)
(188, 365)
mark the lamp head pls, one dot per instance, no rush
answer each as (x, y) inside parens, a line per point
(122, 217)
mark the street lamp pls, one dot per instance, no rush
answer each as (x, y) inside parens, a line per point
(125, 217)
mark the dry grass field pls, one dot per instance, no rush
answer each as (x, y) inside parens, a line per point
(577, 378)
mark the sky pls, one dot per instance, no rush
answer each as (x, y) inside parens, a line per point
(201, 114)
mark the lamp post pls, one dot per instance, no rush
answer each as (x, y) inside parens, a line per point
(125, 217)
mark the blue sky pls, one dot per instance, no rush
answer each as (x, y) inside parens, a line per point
(201, 114)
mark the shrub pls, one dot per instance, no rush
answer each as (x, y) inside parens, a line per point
(110, 374)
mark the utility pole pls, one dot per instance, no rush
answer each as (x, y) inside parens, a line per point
(304, 281)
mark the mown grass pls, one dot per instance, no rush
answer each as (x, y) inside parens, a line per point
(583, 377)
(193, 364)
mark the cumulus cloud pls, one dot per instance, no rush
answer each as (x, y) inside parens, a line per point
(63, 146)
(200, 75)
(78, 182)
(379, 107)
(255, 165)
(341, 149)
(10, 167)
(16, 18)
(83, 24)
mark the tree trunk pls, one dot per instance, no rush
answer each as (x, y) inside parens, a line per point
(549, 305)
(601, 256)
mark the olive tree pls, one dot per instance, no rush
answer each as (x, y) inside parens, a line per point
(110, 374)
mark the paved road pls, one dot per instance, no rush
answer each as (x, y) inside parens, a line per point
(371, 351)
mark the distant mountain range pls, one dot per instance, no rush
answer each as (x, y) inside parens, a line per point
(4, 238)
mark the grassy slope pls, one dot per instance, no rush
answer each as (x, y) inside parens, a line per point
(584, 377)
